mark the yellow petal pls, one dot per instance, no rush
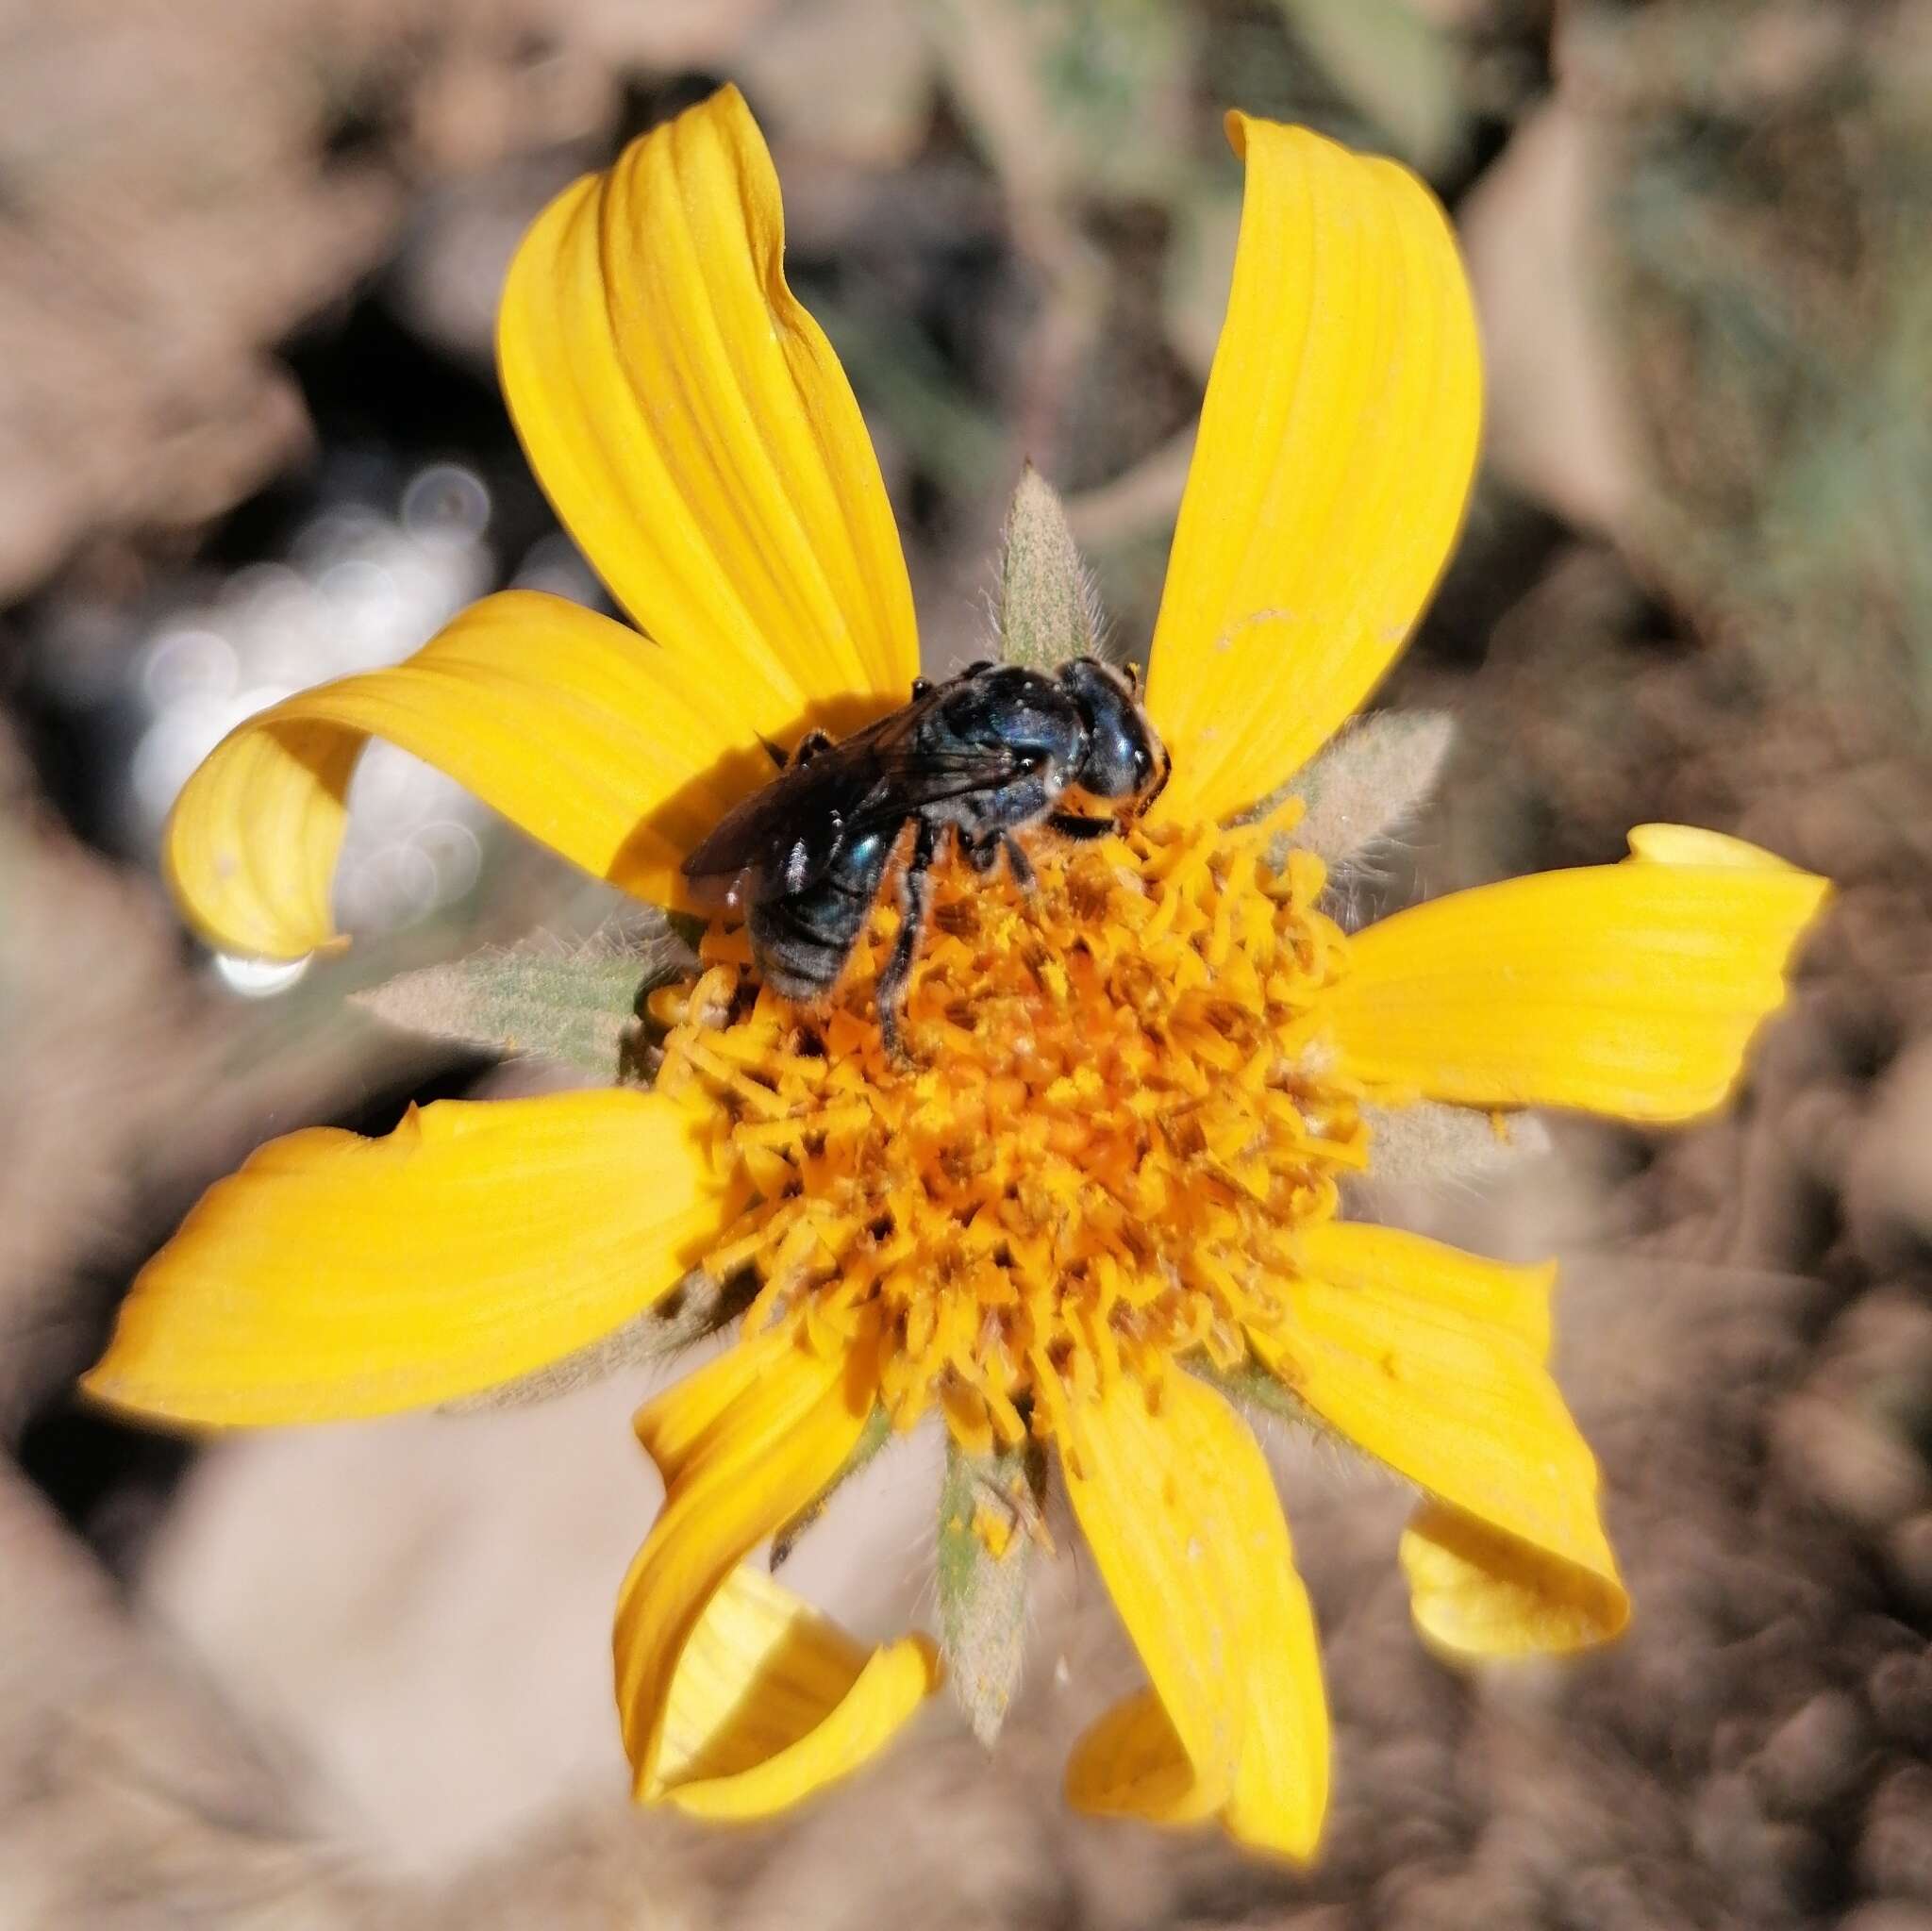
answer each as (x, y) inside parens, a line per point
(1690, 845)
(1180, 1511)
(1431, 1361)
(1475, 1593)
(570, 724)
(1629, 988)
(1337, 442)
(337, 1276)
(1132, 1763)
(693, 428)
(737, 1699)
(772, 1701)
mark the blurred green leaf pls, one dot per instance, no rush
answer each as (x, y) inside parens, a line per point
(1070, 98)
(1199, 269)
(845, 78)
(902, 376)
(1395, 66)
(1765, 230)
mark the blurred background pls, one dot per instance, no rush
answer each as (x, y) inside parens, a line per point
(250, 439)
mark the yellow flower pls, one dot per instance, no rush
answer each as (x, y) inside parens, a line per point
(1107, 1190)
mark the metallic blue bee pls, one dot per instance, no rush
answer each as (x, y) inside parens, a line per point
(989, 754)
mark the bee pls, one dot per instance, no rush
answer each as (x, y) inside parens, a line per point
(985, 756)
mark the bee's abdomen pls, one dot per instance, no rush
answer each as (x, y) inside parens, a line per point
(802, 940)
(802, 944)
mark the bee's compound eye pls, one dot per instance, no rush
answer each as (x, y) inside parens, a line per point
(1143, 766)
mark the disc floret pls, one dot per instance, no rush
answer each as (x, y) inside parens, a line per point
(1116, 1122)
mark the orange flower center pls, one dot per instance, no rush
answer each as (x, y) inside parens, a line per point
(1118, 1119)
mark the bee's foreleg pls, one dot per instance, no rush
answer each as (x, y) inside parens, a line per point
(1018, 863)
(914, 893)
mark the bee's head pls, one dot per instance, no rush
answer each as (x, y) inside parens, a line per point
(1125, 761)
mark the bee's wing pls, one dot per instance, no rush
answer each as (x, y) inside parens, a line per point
(912, 779)
(783, 839)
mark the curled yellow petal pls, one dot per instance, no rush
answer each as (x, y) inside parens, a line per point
(693, 428)
(1132, 1763)
(577, 729)
(772, 1701)
(1477, 1592)
(1337, 442)
(337, 1276)
(1178, 1507)
(1432, 1361)
(737, 1699)
(1631, 990)
(1692, 845)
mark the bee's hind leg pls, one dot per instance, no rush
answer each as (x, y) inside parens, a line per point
(982, 852)
(914, 895)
